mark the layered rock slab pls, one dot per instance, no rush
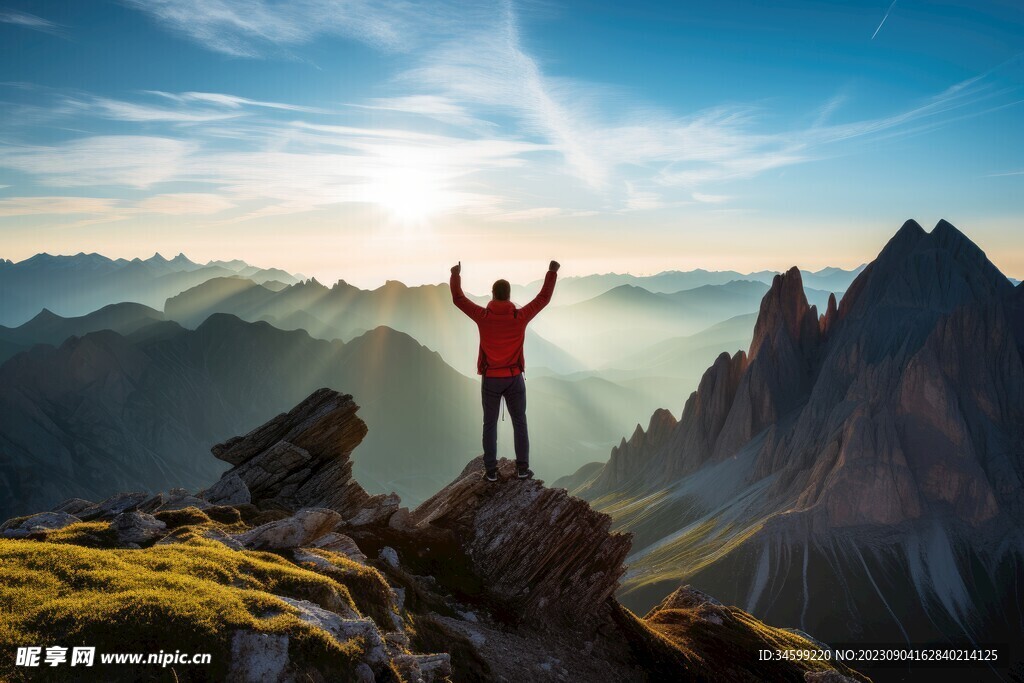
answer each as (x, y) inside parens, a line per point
(539, 549)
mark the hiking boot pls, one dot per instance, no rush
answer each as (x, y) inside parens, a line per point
(491, 474)
(524, 471)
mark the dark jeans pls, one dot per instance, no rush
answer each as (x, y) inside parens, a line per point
(514, 391)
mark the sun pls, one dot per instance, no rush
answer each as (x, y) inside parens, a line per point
(412, 196)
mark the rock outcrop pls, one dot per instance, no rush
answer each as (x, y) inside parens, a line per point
(301, 458)
(548, 557)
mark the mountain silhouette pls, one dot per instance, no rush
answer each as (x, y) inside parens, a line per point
(344, 311)
(76, 285)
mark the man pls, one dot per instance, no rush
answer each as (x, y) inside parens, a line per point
(500, 360)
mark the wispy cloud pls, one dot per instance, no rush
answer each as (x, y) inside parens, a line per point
(540, 213)
(235, 102)
(27, 206)
(30, 21)
(184, 203)
(533, 214)
(256, 28)
(121, 160)
(710, 198)
(638, 200)
(437, 107)
(517, 143)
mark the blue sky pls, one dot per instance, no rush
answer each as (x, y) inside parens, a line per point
(377, 140)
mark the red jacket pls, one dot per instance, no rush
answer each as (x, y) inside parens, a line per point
(502, 328)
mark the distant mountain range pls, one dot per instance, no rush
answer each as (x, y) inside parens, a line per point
(76, 285)
(628, 320)
(344, 311)
(50, 328)
(859, 471)
(576, 289)
(121, 399)
(106, 412)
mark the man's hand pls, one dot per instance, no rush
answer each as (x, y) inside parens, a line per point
(457, 268)
(554, 265)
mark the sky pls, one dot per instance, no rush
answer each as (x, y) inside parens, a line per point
(384, 139)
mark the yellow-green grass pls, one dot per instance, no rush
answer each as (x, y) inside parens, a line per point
(710, 643)
(369, 589)
(189, 596)
(703, 544)
(724, 642)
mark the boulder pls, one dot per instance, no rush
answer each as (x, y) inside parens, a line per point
(113, 506)
(73, 506)
(42, 521)
(376, 511)
(344, 628)
(137, 527)
(342, 544)
(302, 528)
(229, 490)
(258, 657)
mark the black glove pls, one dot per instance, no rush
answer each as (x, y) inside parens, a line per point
(457, 269)
(554, 266)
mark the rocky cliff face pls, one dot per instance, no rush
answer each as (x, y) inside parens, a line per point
(882, 440)
(506, 581)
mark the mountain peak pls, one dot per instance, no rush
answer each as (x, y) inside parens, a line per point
(911, 228)
(946, 236)
(783, 308)
(936, 271)
(45, 315)
(905, 239)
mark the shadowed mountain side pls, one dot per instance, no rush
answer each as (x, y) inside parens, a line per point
(105, 411)
(872, 454)
(344, 311)
(76, 285)
(49, 328)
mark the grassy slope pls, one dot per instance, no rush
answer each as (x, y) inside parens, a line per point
(188, 596)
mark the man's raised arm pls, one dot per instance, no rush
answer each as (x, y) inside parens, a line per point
(544, 296)
(459, 298)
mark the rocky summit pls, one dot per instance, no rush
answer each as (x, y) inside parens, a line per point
(286, 569)
(863, 466)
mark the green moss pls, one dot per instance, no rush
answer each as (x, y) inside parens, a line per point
(189, 597)
(175, 518)
(224, 514)
(87, 534)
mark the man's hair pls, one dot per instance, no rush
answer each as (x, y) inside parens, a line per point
(501, 290)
